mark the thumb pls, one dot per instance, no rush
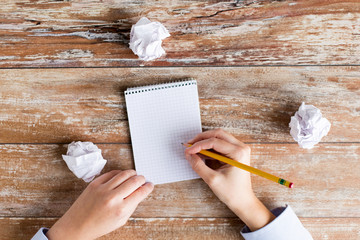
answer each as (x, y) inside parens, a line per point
(199, 166)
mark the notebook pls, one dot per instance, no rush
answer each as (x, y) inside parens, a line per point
(161, 117)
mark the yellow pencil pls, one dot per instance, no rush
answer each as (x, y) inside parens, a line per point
(244, 167)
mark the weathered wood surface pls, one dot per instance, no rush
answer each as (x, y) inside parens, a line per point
(36, 182)
(186, 228)
(260, 32)
(254, 103)
(43, 109)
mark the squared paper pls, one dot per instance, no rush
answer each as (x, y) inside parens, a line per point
(161, 117)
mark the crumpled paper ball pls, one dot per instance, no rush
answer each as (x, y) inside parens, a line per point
(84, 159)
(146, 38)
(308, 126)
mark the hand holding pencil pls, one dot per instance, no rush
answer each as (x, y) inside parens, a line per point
(230, 184)
(224, 159)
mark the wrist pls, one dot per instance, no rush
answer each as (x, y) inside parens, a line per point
(62, 230)
(242, 207)
(253, 213)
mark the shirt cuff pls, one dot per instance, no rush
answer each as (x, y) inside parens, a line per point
(285, 226)
(40, 235)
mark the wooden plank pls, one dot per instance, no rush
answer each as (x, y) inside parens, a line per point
(254, 103)
(186, 228)
(36, 182)
(138, 228)
(260, 32)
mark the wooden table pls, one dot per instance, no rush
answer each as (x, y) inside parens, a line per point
(65, 65)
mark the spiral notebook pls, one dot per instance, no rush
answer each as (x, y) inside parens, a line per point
(161, 117)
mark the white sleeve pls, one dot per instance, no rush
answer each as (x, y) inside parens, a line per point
(286, 226)
(40, 235)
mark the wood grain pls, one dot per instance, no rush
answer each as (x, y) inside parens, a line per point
(185, 228)
(36, 182)
(44, 108)
(254, 103)
(260, 32)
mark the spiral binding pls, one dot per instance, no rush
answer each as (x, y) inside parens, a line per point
(156, 87)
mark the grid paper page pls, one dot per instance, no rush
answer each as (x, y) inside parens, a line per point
(161, 117)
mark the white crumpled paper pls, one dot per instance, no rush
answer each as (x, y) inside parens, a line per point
(308, 126)
(146, 38)
(84, 159)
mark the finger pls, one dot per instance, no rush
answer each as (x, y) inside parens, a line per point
(106, 177)
(199, 166)
(218, 145)
(217, 133)
(139, 194)
(119, 178)
(130, 185)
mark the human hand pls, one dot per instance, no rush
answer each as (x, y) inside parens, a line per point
(230, 184)
(105, 205)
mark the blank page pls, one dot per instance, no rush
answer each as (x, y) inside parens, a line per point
(161, 117)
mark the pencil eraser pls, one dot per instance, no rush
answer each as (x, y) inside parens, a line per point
(291, 185)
